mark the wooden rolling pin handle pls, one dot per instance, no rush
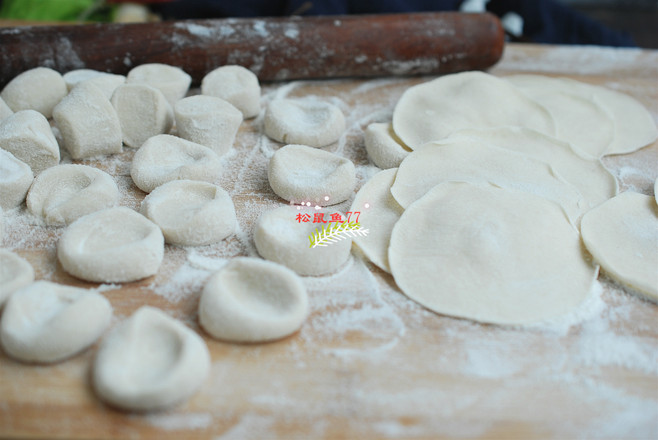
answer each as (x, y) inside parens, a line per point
(273, 48)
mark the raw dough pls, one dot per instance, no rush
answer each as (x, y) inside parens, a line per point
(15, 272)
(299, 174)
(113, 245)
(88, 123)
(281, 238)
(304, 121)
(252, 300)
(74, 77)
(15, 180)
(107, 83)
(149, 361)
(172, 81)
(209, 121)
(5, 111)
(27, 135)
(432, 111)
(191, 213)
(65, 193)
(235, 84)
(622, 236)
(47, 322)
(384, 148)
(143, 112)
(37, 89)
(489, 254)
(164, 158)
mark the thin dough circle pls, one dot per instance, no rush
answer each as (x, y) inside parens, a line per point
(15, 272)
(304, 121)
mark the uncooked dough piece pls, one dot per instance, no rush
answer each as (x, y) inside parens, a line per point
(5, 111)
(209, 121)
(88, 123)
(252, 300)
(304, 121)
(65, 193)
(106, 83)
(150, 361)
(299, 174)
(74, 77)
(655, 190)
(622, 236)
(47, 322)
(112, 245)
(15, 272)
(378, 213)
(143, 112)
(164, 158)
(172, 81)
(15, 180)
(191, 213)
(27, 135)
(37, 89)
(432, 111)
(235, 84)
(384, 148)
(281, 238)
(490, 254)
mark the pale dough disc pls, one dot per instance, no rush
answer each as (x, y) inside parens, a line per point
(65, 193)
(281, 238)
(252, 300)
(191, 213)
(37, 89)
(304, 121)
(27, 135)
(378, 213)
(299, 174)
(5, 111)
(113, 245)
(150, 361)
(489, 254)
(384, 148)
(622, 236)
(164, 158)
(235, 84)
(15, 180)
(172, 81)
(47, 322)
(15, 272)
(432, 111)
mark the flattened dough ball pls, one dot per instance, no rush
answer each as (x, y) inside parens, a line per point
(149, 361)
(114, 245)
(304, 121)
(252, 300)
(47, 322)
(65, 193)
(299, 173)
(15, 272)
(172, 81)
(15, 180)
(235, 84)
(28, 136)
(384, 148)
(37, 89)
(191, 213)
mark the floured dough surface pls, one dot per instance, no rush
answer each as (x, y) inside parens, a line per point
(489, 254)
(27, 135)
(172, 81)
(4, 110)
(107, 83)
(235, 84)
(622, 236)
(252, 300)
(384, 148)
(304, 121)
(15, 273)
(149, 361)
(15, 180)
(37, 89)
(47, 322)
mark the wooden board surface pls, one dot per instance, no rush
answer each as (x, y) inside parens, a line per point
(368, 363)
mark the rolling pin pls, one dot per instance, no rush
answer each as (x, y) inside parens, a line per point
(273, 48)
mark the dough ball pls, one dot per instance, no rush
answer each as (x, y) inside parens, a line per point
(384, 148)
(88, 123)
(172, 81)
(15, 272)
(74, 77)
(164, 158)
(47, 322)
(5, 111)
(37, 89)
(15, 180)
(235, 84)
(149, 361)
(622, 236)
(113, 245)
(143, 112)
(209, 121)
(191, 213)
(27, 135)
(489, 254)
(655, 190)
(252, 300)
(107, 83)
(280, 237)
(304, 121)
(65, 193)
(299, 173)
